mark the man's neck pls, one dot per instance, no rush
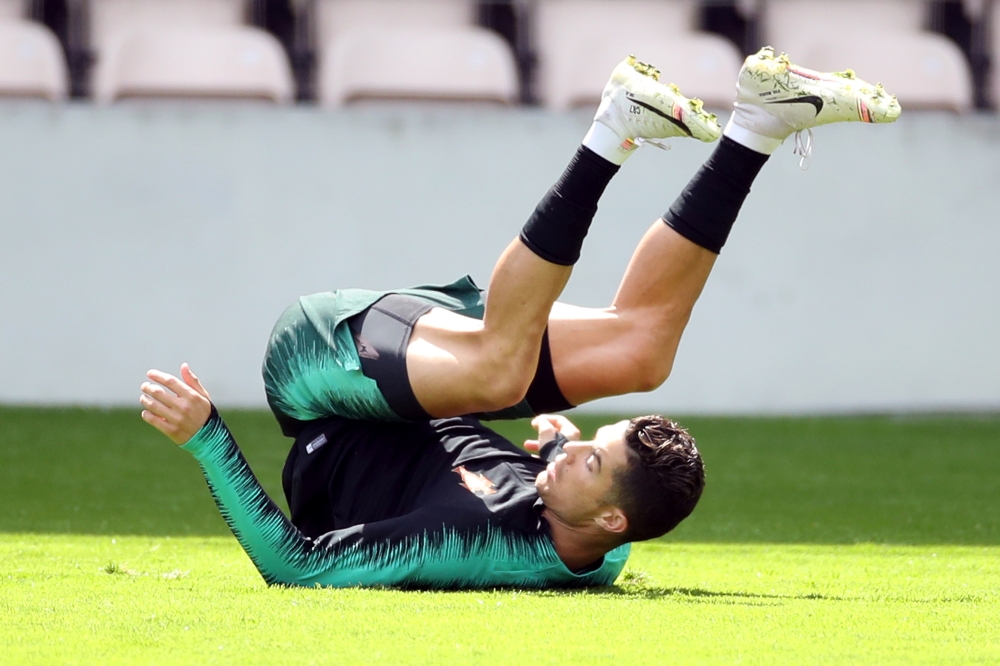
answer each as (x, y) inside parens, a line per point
(578, 546)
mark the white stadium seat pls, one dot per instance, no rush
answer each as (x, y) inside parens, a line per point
(881, 40)
(158, 32)
(217, 63)
(31, 62)
(993, 84)
(580, 42)
(336, 16)
(801, 20)
(112, 19)
(410, 49)
(12, 9)
(461, 63)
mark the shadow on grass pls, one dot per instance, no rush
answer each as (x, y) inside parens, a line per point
(631, 587)
(697, 595)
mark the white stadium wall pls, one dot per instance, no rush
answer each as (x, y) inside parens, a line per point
(143, 236)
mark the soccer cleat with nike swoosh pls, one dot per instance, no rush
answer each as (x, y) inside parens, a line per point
(776, 98)
(639, 108)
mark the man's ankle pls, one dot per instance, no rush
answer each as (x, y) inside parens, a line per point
(755, 141)
(606, 143)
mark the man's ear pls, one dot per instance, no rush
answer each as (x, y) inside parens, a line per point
(612, 519)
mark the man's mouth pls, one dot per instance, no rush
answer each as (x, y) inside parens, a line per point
(552, 471)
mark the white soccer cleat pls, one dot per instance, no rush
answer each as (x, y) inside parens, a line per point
(638, 108)
(776, 98)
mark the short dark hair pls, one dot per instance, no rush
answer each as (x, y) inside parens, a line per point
(662, 481)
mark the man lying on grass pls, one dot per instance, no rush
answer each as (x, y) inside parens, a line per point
(393, 479)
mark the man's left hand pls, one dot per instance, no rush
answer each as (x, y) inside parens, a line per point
(547, 426)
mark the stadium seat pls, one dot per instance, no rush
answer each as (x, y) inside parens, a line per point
(993, 85)
(417, 49)
(11, 10)
(456, 64)
(117, 26)
(31, 62)
(883, 41)
(216, 63)
(464, 63)
(337, 16)
(579, 43)
(112, 19)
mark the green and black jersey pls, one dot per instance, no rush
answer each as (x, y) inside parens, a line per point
(446, 503)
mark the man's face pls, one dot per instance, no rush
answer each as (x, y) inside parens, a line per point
(576, 485)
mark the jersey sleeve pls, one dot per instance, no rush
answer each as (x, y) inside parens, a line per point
(430, 547)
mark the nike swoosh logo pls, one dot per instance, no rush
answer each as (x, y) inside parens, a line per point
(808, 99)
(364, 350)
(679, 124)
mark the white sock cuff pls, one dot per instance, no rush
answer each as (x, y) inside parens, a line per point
(752, 140)
(605, 142)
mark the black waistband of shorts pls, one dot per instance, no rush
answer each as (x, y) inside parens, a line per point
(381, 334)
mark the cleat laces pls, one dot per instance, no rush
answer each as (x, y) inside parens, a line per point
(662, 144)
(804, 147)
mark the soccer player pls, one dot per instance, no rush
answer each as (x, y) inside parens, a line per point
(393, 479)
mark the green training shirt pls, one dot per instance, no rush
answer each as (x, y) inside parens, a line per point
(441, 504)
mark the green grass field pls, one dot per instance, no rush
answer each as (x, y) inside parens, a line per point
(821, 540)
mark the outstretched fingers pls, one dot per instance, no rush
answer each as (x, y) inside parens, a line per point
(192, 380)
(159, 397)
(157, 412)
(173, 383)
(157, 422)
(176, 408)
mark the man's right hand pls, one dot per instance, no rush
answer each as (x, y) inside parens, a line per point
(547, 426)
(176, 408)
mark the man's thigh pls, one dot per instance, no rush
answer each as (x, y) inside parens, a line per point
(383, 337)
(448, 341)
(604, 352)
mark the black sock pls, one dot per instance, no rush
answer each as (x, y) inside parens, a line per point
(555, 231)
(706, 210)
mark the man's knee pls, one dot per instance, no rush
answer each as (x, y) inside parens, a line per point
(647, 359)
(650, 372)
